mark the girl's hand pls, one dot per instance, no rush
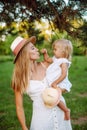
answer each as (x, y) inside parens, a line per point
(43, 51)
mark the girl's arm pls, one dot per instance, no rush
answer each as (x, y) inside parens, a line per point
(20, 110)
(46, 56)
(64, 68)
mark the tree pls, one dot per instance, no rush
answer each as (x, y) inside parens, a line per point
(56, 11)
(83, 36)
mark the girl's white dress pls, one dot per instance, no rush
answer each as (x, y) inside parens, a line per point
(44, 118)
(54, 71)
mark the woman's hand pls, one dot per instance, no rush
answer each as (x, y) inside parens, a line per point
(25, 128)
(54, 85)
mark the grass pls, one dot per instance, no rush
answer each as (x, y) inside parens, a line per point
(76, 100)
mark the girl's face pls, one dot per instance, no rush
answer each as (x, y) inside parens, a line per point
(57, 50)
(33, 52)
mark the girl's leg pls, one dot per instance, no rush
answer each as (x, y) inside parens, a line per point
(66, 110)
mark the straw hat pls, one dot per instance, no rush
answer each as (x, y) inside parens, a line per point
(19, 43)
(51, 97)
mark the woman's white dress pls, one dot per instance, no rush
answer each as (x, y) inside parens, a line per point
(44, 118)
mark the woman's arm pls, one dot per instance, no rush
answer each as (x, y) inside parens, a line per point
(20, 110)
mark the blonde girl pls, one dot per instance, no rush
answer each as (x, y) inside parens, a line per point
(57, 72)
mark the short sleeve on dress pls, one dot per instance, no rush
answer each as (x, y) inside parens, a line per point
(63, 60)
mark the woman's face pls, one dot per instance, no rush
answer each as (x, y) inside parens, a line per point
(33, 52)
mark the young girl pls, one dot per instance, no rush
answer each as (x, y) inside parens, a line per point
(57, 72)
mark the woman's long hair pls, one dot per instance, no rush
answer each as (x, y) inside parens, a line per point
(21, 71)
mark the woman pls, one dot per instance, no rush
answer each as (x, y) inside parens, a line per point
(29, 77)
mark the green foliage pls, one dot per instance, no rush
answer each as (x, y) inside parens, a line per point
(5, 45)
(44, 43)
(4, 58)
(60, 35)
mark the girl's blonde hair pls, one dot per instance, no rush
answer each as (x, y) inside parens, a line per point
(20, 78)
(66, 47)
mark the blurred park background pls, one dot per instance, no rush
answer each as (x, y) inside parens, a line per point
(48, 20)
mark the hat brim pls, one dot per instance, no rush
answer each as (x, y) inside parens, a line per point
(31, 39)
